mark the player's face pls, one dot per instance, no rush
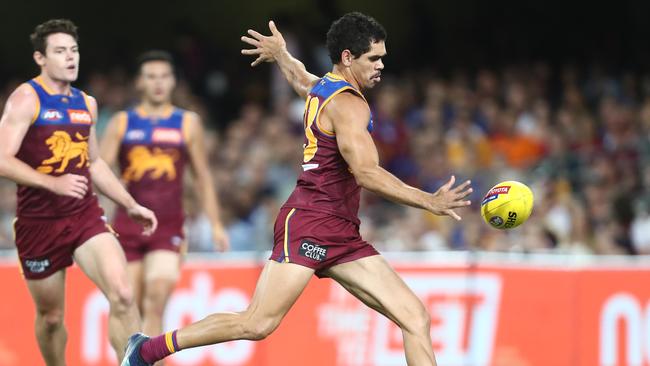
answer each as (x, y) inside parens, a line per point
(61, 58)
(367, 67)
(156, 81)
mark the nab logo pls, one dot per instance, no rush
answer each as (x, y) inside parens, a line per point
(52, 115)
(80, 116)
(168, 135)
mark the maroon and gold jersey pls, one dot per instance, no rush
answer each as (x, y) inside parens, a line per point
(326, 184)
(56, 143)
(152, 160)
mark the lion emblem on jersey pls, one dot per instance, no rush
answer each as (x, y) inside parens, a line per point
(156, 162)
(64, 149)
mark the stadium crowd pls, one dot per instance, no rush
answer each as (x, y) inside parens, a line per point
(580, 138)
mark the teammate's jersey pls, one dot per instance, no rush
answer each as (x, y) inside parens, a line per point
(56, 143)
(152, 160)
(326, 184)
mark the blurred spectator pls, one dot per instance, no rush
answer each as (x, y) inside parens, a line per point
(7, 213)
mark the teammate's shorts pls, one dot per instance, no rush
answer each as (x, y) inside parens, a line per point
(168, 236)
(46, 245)
(317, 240)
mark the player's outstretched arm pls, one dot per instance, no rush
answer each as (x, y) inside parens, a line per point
(19, 113)
(204, 185)
(273, 48)
(350, 115)
(109, 185)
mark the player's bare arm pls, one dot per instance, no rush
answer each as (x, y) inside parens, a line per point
(203, 182)
(348, 114)
(109, 147)
(109, 185)
(17, 117)
(273, 48)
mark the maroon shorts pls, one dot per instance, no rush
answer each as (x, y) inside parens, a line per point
(168, 236)
(317, 240)
(46, 245)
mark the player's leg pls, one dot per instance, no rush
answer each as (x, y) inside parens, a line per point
(135, 272)
(132, 245)
(278, 288)
(161, 272)
(373, 281)
(102, 260)
(49, 298)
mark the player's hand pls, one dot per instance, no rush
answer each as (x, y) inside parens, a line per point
(266, 47)
(144, 217)
(220, 238)
(448, 197)
(71, 185)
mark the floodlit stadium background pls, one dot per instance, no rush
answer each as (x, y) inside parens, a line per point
(554, 95)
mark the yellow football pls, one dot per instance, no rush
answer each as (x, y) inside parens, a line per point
(507, 205)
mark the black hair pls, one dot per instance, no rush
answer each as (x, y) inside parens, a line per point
(154, 55)
(43, 30)
(355, 32)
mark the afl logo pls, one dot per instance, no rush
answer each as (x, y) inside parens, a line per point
(52, 115)
(135, 135)
(496, 221)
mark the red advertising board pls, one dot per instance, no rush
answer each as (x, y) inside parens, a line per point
(483, 315)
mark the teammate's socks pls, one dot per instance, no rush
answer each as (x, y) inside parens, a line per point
(155, 349)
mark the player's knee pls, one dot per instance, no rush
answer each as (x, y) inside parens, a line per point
(121, 298)
(51, 319)
(424, 320)
(156, 296)
(259, 329)
(154, 305)
(418, 320)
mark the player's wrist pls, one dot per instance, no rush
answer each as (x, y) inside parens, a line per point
(45, 181)
(130, 204)
(430, 201)
(280, 54)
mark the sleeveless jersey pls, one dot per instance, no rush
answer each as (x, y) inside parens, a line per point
(56, 143)
(326, 184)
(152, 160)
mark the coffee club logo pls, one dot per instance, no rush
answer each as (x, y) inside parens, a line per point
(313, 251)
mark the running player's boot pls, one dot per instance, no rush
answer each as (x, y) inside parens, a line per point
(132, 352)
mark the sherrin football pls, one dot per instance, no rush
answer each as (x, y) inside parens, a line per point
(507, 205)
